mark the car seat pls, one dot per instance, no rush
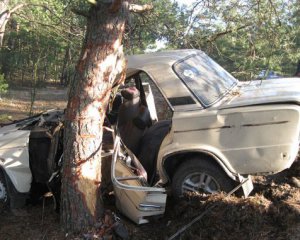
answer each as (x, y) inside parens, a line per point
(150, 144)
(133, 119)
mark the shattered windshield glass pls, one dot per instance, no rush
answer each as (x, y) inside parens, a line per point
(207, 80)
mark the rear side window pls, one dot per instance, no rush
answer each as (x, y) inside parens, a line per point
(163, 110)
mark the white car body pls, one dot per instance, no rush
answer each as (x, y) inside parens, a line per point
(15, 156)
(252, 128)
(29, 154)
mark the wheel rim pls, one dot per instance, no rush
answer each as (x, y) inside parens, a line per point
(200, 183)
(3, 194)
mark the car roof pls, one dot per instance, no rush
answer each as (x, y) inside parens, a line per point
(164, 57)
(158, 66)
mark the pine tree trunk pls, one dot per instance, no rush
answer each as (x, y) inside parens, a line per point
(100, 64)
(64, 71)
(298, 69)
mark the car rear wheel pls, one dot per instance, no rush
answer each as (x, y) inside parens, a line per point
(201, 176)
(4, 198)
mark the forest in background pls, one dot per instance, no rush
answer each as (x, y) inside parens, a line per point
(42, 40)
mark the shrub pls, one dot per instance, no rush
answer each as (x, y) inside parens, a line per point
(3, 84)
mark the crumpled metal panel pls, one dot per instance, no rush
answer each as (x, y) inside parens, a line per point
(134, 198)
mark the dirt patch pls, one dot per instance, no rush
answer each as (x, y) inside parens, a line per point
(32, 222)
(15, 104)
(271, 212)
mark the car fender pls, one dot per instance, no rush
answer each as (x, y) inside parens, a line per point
(14, 159)
(16, 198)
(247, 185)
(174, 149)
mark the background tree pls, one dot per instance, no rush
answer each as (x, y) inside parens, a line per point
(245, 36)
(5, 15)
(45, 31)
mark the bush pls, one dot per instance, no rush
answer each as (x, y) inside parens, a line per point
(3, 84)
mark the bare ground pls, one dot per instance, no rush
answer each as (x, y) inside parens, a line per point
(16, 103)
(271, 212)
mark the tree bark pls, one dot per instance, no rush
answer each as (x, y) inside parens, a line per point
(100, 64)
(4, 16)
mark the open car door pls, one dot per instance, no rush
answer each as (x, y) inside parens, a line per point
(134, 198)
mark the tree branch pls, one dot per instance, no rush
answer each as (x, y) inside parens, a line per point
(17, 7)
(115, 6)
(80, 12)
(220, 34)
(56, 29)
(4, 13)
(140, 8)
(275, 11)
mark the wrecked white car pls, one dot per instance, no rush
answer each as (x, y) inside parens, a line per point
(218, 132)
(182, 124)
(30, 150)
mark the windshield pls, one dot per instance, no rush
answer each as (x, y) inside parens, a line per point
(207, 80)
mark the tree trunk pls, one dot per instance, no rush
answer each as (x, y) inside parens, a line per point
(64, 71)
(45, 73)
(298, 69)
(100, 64)
(4, 16)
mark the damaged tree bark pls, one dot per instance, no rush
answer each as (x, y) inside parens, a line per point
(100, 64)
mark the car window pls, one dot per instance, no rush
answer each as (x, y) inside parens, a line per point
(130, 82)
(163, 109)
(207, 80)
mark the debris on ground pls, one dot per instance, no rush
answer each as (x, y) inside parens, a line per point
(108, 228)
(296, 182)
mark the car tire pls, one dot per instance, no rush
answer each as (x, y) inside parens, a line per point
(201, 176)
(4, 197)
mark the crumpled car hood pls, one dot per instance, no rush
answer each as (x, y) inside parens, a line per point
(12, 135)
(258, 92)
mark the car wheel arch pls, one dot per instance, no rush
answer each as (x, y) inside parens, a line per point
(172, 162)
(11, 187)
(16, 199)
(5, 175)
(4, 191)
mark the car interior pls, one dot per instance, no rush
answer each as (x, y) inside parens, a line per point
(137, 122)
(45, 150)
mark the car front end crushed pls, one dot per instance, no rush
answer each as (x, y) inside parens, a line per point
(29, 152)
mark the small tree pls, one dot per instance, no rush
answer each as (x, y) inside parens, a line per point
(3, 85)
